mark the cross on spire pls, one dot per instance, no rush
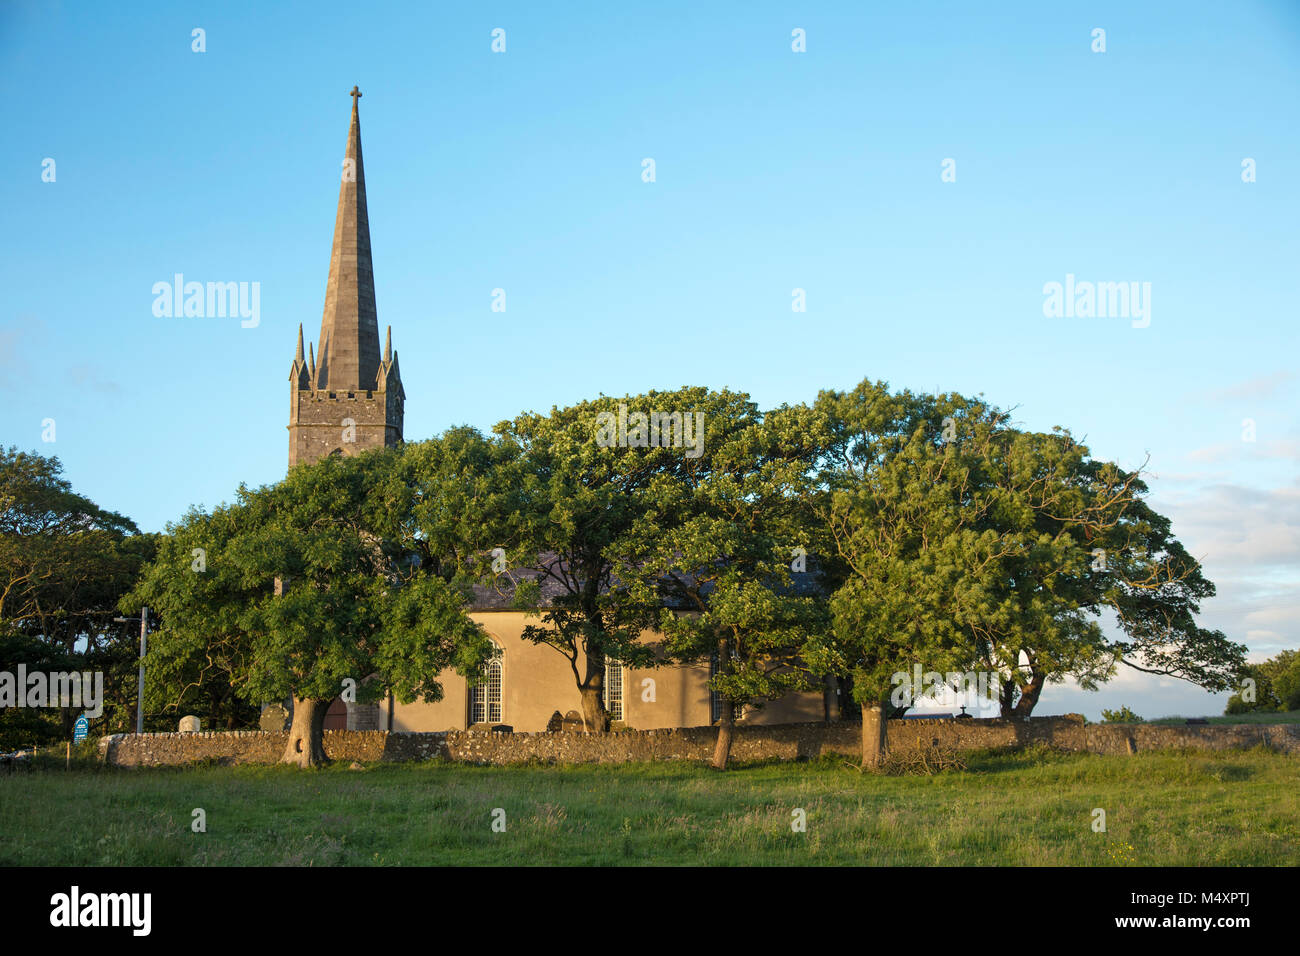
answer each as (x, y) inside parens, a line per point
(356, 95)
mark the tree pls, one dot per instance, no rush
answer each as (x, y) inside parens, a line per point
(1286, 680)
(64, 562)
(319, 600)
(200, 654)
(582, 487)
(450, 501)
(972, 543)
(1276, 686)
(903, 518)
(1090, 547)
(728, 556)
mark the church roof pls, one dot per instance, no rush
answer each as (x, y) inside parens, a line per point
(499, 596)
(349, 333)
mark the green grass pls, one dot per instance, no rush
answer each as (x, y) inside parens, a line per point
(1029, 808)
(1273, 717)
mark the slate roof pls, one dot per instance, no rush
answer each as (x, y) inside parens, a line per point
(499, 597)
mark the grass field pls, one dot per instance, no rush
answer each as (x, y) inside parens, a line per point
(1029, 808)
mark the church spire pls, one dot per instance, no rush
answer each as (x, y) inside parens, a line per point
(349, 331)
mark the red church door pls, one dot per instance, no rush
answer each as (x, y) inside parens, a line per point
(336, 718)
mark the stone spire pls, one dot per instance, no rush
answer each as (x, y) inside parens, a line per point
(346, 397)
(349, 331)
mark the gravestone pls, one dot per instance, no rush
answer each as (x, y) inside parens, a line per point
(189, 725)
(555, 724)
(274, 719)
(572, 723)
(482, 728)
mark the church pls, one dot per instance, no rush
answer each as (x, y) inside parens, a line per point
(346, 396)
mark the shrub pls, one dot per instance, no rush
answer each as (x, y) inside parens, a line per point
(1277, 685)
(1121, 716)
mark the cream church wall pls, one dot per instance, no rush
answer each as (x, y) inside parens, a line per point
(537, 680)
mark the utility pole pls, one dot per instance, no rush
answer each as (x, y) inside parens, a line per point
(144, 642)
(139, 694)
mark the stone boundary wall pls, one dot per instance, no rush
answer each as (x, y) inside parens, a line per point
(230, 746)
(779, 741)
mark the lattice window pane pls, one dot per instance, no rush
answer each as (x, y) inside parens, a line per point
(716, 699)
(613, 689)
(493, 689)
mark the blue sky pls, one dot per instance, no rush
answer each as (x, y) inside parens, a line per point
(775, 170)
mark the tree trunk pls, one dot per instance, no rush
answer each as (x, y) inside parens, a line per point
(874, 734)
(306, 746)
(831, 699)
(1029, 695)
(1006, 697)
(591, 690)
(722, 750)
(594, 718)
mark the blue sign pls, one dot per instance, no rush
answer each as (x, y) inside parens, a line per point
(79, 732)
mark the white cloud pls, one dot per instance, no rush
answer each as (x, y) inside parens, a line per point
(1259, 387)
(1248, 541)
(1278, 449)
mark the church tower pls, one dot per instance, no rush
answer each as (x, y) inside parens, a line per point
(344, 396)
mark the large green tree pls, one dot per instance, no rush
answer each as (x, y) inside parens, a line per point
(64, 562)
(1275, 686)
(584, 510)
(729, 536)
(903, 518)
(1086, 550)
(321, 598)
(970, 544)
(201, 652)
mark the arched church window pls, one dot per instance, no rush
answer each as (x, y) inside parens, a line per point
(485, 696)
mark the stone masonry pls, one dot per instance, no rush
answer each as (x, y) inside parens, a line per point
(779, 742)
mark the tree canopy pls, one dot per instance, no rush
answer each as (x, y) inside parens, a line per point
(64, 562)
(851, 539)
(304, 597)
